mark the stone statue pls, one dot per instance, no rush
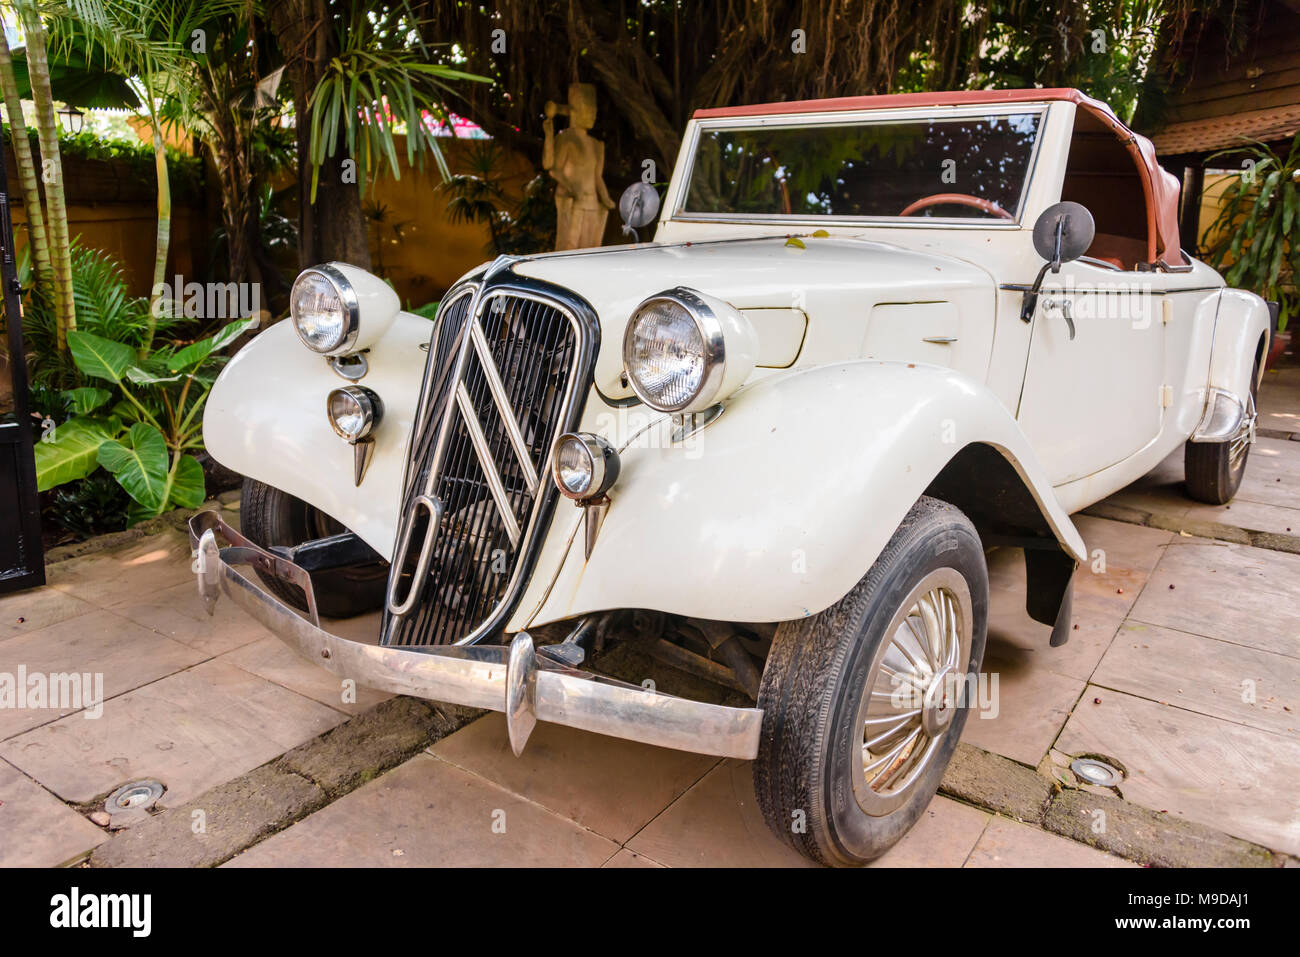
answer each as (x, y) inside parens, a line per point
(576, 161)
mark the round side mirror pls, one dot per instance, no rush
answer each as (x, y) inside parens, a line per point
(1076, 227)
(639, 205)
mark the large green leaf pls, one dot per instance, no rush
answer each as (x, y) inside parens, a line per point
(139, 464)
(86, 399)
(187, 487)
(144, 377)
(71, 453)
(196, 352)
(99, 357)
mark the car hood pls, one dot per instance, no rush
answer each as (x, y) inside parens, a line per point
(825, 277)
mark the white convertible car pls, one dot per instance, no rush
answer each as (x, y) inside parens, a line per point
(872, 338)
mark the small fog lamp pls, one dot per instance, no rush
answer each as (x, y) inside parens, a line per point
(354, 411)
(585, 466)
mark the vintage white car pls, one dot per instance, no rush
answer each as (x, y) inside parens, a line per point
(872, 338)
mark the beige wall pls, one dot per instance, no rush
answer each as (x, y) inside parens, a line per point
(431, 254)
(128, 232)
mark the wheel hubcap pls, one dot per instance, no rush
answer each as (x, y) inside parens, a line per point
(913, 690)
(1245, 437)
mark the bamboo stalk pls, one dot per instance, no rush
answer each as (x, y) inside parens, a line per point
(26, 167)
(164, 234)
(38, 69)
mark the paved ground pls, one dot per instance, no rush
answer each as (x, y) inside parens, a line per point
(1183, 667)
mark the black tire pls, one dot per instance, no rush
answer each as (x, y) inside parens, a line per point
(270, 516)
(814, 684)
(1209, 472)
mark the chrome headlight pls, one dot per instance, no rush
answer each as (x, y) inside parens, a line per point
(584, 466)
(325, 311)
(684, 351)
(354, 411)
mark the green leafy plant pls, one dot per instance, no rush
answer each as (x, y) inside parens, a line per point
(104, 308)
(478, 195)
(1252, 241)
(92, 506)
(134, 415)
(376, 82)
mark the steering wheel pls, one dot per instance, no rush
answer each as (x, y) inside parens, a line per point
(959, 199)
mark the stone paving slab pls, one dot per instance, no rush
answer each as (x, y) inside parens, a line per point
(191, 730)
(1250, 596)
(1279, 399)
(36, 828)
(99, 642)
(1205, 675)
(272, 659)
(1032, 706)
(1122, 557)
(1224, 775)
(178, 612)
(39, 608)
(717, 823)
(1007, 843)
(122, 575)
(428, 813)
(611, 786)
(626, 858)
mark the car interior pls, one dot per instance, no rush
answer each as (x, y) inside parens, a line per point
(1102, 175)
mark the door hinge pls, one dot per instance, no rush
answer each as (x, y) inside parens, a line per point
(1166, 396)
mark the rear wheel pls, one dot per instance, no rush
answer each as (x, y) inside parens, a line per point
(863, 704)
(1213, 470)
(270, 517)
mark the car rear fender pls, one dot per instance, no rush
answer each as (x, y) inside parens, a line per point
(1240, 338)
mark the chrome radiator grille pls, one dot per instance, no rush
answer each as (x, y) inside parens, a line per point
(506, 374)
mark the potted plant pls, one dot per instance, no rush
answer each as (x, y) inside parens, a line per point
(1252, 241)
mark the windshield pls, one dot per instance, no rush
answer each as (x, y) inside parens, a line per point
(971, 167)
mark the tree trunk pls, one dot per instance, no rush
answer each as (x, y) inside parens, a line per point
(38, 69)
(332, 228)
(340, 233)
(26, 168)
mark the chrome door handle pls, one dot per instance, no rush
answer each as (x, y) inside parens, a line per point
(941, 340)
(1062, 304)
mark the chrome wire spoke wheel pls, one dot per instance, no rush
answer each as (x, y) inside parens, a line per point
(1241, 442)
(913, 690)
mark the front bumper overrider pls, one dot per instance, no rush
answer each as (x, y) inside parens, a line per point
(510, 678)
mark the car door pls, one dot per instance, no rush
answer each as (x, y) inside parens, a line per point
(1092, 400)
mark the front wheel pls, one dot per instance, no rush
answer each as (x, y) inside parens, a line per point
(270, 516)
(863, 703)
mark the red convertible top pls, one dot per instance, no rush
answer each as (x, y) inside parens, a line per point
(1160, 187)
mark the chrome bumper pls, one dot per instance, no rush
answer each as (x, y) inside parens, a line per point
(507, 678)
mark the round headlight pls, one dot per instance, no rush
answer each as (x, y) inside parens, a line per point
(683, 351)
(324, 308)
(585, 466)
(354, 411)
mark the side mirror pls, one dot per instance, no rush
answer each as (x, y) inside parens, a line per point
(1062, 234)
(638, 206)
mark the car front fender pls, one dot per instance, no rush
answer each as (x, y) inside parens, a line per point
(774, 510)
(265, 419)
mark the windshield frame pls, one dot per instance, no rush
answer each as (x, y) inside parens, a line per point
(690, 150)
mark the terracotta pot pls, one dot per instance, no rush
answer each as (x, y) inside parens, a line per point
(1277, 345)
